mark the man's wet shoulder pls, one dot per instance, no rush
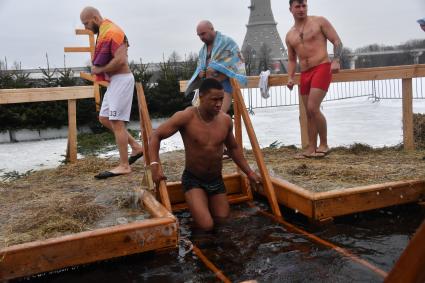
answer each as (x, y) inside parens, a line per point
(223, 117)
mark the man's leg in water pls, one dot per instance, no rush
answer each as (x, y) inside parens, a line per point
(197, 200)
(219, 207)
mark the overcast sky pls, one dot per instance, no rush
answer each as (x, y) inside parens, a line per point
(30, 28)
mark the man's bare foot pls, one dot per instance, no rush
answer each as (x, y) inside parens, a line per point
(307, 154)
(323, 149)
(117, 171)
(120, 169)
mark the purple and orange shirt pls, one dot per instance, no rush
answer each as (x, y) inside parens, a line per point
(109, 39)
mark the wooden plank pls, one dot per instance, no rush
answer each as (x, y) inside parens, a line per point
(183, 85)
(245, 184)
(408, 138)
(96, 87)
(145, 137)
(92, 46)
(96, 92)
(274, 80)
(76, 49)
(147, 126)
(232, 183)
(352, 200)
(410, 266)
(92, 78)
(237, 121)
(291, 196)
(86, 247)
(369, 188)
(380, 73)
(22, 95)
(266, 181)
(246, 187)
(83, 31)
(365, 74)
(217, 272)
(72, 130)
(153, 206)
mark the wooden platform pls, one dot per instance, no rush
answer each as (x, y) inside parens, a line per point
(324, 205)
(236, 187)
(158, 232)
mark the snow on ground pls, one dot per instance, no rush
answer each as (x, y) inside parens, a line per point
(353, 120)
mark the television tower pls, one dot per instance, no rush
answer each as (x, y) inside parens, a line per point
(262, 39)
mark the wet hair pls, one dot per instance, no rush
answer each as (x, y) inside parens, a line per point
(208, 84)
(299, 1)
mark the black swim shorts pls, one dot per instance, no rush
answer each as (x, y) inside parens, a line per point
(214, 187)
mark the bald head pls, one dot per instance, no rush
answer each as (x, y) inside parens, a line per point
(91, 19)
(206, 32)
(205, 25)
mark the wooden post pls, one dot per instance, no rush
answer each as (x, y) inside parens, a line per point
(147, 128)
(410, 266)
(245, 186)
(237, 118)
(237, 123)
(91, 49)
(267, 183)
(72, 131)
(303, 122)
(97, 96)
(145, 137)
(408, 138)
(92, 45)
(217, 272)
(96, 85)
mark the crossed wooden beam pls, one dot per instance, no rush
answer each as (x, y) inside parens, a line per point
(88, 76)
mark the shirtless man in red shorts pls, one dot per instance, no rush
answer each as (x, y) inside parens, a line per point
(307, 40)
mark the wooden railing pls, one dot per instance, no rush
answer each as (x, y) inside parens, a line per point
(405, 73)
(24, 95)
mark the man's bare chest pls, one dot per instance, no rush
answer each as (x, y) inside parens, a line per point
(202, 135)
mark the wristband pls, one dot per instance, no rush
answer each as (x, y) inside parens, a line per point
(153, 163)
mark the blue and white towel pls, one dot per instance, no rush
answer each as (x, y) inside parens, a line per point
(226, 58)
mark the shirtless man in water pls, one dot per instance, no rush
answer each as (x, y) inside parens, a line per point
(205, 130)
(307, 40)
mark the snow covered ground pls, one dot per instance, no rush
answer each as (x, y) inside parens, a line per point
(354, 120)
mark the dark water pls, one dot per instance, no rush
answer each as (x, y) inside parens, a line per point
(252, 246)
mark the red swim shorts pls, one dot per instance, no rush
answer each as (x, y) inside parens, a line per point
(316, 77)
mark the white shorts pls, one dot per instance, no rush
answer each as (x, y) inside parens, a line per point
(116, 104)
